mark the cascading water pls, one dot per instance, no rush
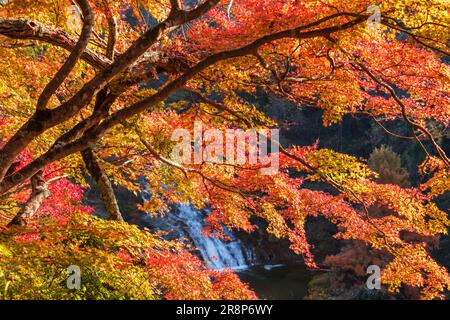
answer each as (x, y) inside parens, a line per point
(270, 281)
(218, 254)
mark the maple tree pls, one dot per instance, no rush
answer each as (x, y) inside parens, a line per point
(92, 97)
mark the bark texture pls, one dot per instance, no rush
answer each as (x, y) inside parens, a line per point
(39, 192)
(103, 183)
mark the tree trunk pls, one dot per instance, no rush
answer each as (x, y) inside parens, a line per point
(39, 192)
(103, 183)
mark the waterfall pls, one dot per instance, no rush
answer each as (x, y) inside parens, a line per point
(218, 254)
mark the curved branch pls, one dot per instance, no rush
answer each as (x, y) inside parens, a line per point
(93, 134)
(39, 193)
(378, 122)
(414, 125)
(75, 54)
(226, 55)
(43, 120)
(112, 29)
(25, 29)
(185, 170)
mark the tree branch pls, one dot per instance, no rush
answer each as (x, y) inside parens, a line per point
(112, 32)
(75, 54)
(26, 29)
(43, 120)
(94, 133)
(39, 193)
(414, 125)
(103, 183)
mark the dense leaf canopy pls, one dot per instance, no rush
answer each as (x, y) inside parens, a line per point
(118, 77)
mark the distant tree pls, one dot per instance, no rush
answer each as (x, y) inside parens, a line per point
(387, 164)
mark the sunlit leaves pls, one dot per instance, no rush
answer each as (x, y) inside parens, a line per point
(117, 261)
(323, 71)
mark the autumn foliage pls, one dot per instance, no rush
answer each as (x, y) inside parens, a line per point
(120, 78)
(118, 261)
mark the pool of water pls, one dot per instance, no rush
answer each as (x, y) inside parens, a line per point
(278, 282)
